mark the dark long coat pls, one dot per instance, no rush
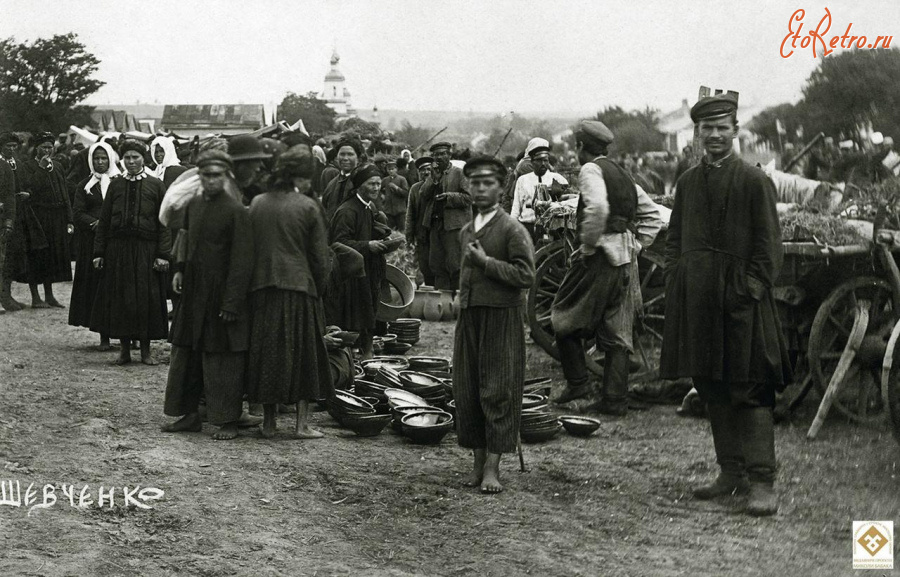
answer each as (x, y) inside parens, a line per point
(723, 254)
(86, 211)
(50, 204)
(354, 305)
(217, 261)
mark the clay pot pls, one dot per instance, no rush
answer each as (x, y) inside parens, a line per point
(447, 302)
(417, 308)
(434, 308)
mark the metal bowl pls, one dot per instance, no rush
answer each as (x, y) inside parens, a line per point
(367, 425)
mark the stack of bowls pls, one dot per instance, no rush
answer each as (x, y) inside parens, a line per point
(374, 390)
(538, 425)
(539, 385)
(534, 402)
(426, 427)
(435, 366)
(372, 365)
(379, 343)
(400, 411)
(429, 388)
(407, 330)
(366, 425)
(346, 404)
(388, 378)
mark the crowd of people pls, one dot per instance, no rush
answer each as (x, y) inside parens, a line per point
(270, 248)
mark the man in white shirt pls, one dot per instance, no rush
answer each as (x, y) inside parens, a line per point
(532, 193)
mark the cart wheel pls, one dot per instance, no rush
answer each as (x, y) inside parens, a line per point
(546, 250)
(859, 396)
(548, 279)
(890, 381)
(648, 327)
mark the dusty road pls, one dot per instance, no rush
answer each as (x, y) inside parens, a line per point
(617, 503)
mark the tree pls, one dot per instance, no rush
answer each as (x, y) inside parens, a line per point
(636, 131)
(317, 117)
(41, 83)
(854, 87)
(362, 129)
(412, 135)
(764, 124)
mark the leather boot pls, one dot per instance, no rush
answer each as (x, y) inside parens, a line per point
(758, 436)
(729, 455)
(614, 394)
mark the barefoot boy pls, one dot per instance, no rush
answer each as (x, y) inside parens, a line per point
(489, 347)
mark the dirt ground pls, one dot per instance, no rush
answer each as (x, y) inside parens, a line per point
(617, 503)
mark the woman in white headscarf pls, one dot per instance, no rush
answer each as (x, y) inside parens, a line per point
(89, 195)
(168, 166)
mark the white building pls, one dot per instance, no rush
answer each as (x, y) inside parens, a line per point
(335, 93)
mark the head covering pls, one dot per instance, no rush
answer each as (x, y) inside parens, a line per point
(594, 131)
(391, 161)
(352, 143)
(888, 141)
(275, 148)
(102, 177)
(43, 137)
(829, 140)
(214, 158)
(7, 137)
(364, 173)
(214, 143)
(132, 144)
(319, 153)
(170, 155)
(292, 139)
(846, 144)
(405, 153)
(295, 163)
(424, 161)
(877, 138)
(246, 147)
(484, 165)
(714, 107)
(439, 146)
(537, 145)
(380, 158)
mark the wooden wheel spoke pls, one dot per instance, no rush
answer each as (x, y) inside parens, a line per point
(654, 300)
(840, 327)
(544, 319)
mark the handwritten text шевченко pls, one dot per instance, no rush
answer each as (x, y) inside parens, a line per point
(12, 495)
(816, 40)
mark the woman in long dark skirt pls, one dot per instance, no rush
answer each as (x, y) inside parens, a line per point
(288, 362)
(131, 249)
(48, 259)
(89, 195)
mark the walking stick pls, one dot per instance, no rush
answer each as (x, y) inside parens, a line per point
(522, 468)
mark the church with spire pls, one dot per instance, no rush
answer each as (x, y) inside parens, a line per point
(335, 93)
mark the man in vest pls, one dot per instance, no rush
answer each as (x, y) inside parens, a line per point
(446, 208)
(416, 234)
(598, 295)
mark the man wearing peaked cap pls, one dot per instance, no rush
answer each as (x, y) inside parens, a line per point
(416, 234)
(247, 154)
(446, 208)
(532, 190)
(394, 196)
(489, 345)
(597, 297)
(723, 255)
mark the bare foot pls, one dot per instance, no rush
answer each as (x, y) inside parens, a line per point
(308, 433)
(186, 424)
(39, 304)
(491, 484)
(268, 427)
(148, 360)
(247, 420)
(226, 432)
(473, 479)
(123, 359)
(55, 303)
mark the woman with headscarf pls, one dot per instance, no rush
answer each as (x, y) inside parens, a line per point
(89, 195)
(132, 249)
(341, 186)
(352, 306)
(48, 259)
(168, 166)
(287, 362)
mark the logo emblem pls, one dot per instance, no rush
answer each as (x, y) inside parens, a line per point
(873, 546)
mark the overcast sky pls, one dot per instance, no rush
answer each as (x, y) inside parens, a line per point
(524, 56)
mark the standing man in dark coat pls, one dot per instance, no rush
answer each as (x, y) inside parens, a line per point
(416, 233)
(489, 344)
(211, 329)
(597, 298)
(723, 254)
(394, 194)
(7, 224)
(447, 207)
(12, 263)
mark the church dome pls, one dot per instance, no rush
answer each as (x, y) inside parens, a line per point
(334, 75)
